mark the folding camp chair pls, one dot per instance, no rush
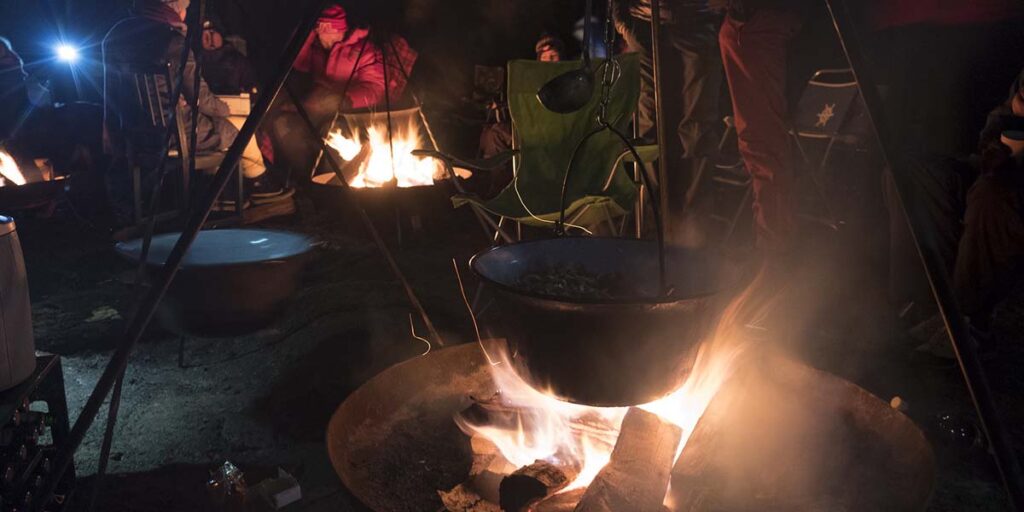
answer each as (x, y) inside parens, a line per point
(140, 93)
(600, 190)
(828, 118)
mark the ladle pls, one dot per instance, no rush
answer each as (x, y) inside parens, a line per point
(571, 91)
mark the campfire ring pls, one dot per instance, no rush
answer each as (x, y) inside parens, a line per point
(393, 442)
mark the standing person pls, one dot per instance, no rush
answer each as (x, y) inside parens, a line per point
(691, 79)
(343, 66)
(154, 33)
(754, 39)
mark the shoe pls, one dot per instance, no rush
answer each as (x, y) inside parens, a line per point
(266, 189)
(228, 205)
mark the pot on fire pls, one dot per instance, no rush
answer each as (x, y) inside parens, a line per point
(624, 349)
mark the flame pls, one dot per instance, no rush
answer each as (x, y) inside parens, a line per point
(582, 436)
(9, 170)
(372, 156)
(550, 429)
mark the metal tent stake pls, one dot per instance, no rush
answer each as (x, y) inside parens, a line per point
(959, 335)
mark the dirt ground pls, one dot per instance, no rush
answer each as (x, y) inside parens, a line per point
(263, 400)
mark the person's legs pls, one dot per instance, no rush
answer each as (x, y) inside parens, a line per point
(992, 246)
(696, 40)
(754, 58)
(294, 149)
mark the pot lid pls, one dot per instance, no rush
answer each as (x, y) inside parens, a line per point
(223, 247)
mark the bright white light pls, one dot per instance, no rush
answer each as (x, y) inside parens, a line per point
(67, 53)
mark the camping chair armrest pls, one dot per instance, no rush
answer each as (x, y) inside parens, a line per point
(490, 164)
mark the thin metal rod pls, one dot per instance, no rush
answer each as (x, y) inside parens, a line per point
(353, 199)
(119, 360)
(659, 120)
(959, 335)
(173, 96)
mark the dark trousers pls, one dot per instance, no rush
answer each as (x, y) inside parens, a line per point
(973, 222)
(284, 138)
(754, 56)
(691, 83)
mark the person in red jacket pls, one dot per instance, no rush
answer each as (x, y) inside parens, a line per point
(343, 67)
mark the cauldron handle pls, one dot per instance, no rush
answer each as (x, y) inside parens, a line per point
(655, 201)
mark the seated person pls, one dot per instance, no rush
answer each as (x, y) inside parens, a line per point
(342, 68)
(975, 209)
(155, 33)
(496, 136)
(225, 67)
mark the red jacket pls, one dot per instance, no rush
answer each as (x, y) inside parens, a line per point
(895, 13)
(356, 66)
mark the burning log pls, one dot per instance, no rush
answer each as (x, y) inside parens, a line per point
(462, 498)
(561, 502)
(531, 484)
(479, 492)
(637, 475)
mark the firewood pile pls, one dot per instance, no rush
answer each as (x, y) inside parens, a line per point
(636, 477)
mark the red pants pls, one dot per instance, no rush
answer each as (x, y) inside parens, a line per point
(754, 57)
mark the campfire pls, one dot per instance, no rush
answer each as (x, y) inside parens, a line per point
(378, 159)
(9, 172)
(534, 452)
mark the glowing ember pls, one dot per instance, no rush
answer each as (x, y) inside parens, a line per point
(369, 151)
(9, 171)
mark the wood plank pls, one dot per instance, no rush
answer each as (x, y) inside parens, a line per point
(636, 477)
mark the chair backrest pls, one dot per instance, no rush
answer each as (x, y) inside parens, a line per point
(545, 139)
(824, 107)
(138, 96)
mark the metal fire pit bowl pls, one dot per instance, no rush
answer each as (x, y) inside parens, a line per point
(232, 281)
(32, 195)
(779, 436)
(327, 196)
(605, 352)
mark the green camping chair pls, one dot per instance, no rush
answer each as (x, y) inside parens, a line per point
(601, 187)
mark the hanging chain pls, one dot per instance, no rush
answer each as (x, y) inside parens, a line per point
(610, 70)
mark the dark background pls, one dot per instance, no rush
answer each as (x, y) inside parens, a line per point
(451, 35)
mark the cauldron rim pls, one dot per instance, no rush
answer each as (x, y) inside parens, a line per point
(570, 302)
(303, 245)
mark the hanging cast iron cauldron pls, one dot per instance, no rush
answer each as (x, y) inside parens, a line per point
(623, 350)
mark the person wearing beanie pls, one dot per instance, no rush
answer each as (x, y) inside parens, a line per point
(341, 66)
(154, 33)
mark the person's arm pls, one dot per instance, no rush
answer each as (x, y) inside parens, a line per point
(367, 85)
(207, 103)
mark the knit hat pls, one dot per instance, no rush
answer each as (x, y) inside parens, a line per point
(335, 17)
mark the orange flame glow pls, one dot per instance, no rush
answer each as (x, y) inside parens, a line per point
(550, 429)
(9, 171)
(372, 156)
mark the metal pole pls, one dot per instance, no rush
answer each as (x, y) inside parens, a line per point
(365, 218)
(959, 335)
(659, 118)
(119, 360)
